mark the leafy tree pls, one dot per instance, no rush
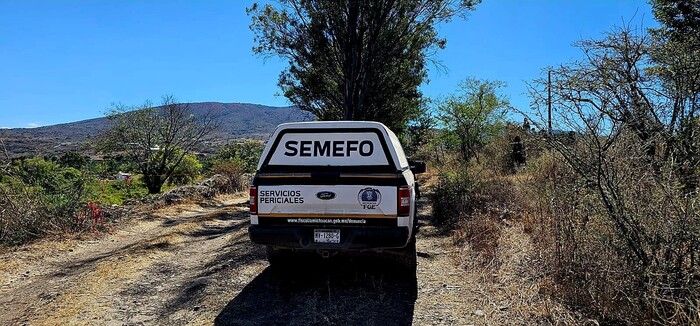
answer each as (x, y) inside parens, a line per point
(351, 59)
(473, 116)
(419, 132)
(185, 172)
(247, 152)
(73, 159)
(47, 175)
(680, 18)
(676, 53)
(157, 139)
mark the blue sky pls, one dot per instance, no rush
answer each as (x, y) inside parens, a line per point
(63, 61)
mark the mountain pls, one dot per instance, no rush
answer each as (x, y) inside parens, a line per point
(238, 120)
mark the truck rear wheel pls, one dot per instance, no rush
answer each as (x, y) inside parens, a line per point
(407, 257)
(278, 257)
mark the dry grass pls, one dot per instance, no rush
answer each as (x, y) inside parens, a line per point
(492, 231)
(587, 262)
(481, 233)
(190, 207)
(499, 266)
(14, 260)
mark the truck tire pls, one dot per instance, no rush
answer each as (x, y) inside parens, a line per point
(408, 255)
(278, 257)
(407, 259)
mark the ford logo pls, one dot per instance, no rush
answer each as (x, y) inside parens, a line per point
(325, 195)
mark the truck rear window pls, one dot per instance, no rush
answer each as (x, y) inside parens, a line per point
(311, 150)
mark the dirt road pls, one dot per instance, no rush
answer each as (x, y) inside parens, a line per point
(192, 264)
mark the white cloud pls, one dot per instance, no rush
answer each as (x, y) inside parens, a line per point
(33, 125)
(5, 128)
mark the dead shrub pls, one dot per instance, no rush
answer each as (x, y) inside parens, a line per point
(234, 171)
(474, 203)
(481, 233)
(620, 242)
(622, 200)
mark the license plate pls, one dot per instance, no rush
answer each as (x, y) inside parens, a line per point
(326, 236)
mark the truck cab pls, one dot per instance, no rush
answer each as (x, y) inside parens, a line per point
(333, 186)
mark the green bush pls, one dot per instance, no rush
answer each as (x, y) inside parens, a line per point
(452, 197)
(187, 171)
(246, 155)
(38, 197)
(109, 166)
(73, 159)
(108, 192)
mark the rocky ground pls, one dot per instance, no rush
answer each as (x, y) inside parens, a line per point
(192, 264)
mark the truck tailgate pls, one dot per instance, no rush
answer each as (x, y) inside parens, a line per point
(326, 203)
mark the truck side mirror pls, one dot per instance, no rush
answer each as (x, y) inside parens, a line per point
(417, 166)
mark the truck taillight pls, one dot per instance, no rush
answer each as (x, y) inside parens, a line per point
(253, 200)
(404, 201)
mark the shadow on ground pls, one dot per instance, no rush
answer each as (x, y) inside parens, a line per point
(336, 291)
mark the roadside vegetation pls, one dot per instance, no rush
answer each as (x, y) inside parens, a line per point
(159, 140)
(147, 150)
(609, 196)
(49, 196)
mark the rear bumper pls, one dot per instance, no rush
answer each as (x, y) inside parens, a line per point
(351, 238)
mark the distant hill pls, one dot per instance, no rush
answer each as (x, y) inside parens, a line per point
(238, 120)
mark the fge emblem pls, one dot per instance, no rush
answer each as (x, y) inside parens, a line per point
(369, 198)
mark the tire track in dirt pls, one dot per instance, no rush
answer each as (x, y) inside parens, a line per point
(194, 265)
(98, 281)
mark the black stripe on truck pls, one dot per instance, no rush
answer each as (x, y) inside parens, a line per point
(262, 179)
(390, 167)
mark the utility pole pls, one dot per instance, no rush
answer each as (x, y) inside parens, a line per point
(549, 102)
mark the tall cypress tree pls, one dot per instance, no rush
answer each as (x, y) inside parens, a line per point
(352, 59)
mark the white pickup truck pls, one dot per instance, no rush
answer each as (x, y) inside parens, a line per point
(334, 186)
